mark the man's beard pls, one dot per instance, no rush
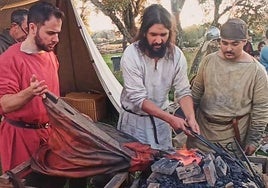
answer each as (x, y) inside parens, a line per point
(160, 52)
(39, 43)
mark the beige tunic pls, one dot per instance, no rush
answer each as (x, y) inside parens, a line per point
(223, 90)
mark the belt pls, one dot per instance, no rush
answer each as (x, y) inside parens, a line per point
(22, 124)
(152, 120)
(234, 122)
(212, 120)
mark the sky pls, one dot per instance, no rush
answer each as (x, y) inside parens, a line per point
(191, 14)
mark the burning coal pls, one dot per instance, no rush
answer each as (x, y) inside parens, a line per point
(191, 168)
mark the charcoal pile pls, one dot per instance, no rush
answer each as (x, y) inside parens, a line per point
(194, 169)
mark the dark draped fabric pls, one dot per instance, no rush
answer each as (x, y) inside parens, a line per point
(78, 147)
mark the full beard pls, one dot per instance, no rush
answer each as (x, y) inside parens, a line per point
(41, 46)
(159, 52)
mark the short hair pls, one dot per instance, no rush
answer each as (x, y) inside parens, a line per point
(155, 14)
(260, 44)
(42, 11)
(18, 16)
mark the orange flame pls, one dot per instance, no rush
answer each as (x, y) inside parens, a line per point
(186, 156)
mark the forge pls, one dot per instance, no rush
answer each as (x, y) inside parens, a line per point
(100, 149)
(192, 168)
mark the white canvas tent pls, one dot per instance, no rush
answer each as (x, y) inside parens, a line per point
(82, 67)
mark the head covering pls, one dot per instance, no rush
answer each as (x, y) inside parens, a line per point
(264, 57)
(213, 33)
(234, 29)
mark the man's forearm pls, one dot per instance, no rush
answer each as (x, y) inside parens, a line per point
(255, 133)
(187, 106)
(150, 108)
(13, 102)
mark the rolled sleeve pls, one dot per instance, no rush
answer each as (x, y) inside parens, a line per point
(9, 78)
(134, 88)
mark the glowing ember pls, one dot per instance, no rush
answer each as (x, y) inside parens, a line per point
(186, 156)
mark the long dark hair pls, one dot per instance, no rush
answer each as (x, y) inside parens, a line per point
(155, 14)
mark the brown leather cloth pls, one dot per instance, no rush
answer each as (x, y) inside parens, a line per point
(236, 129)
(78, 147)
(234, 122)
(26, 125)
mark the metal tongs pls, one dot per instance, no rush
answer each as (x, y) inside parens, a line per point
(213, 146)
(220, 151)
(256, 176)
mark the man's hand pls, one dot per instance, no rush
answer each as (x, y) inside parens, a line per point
(250, 149)
(193, 125)
(39, 88)
(179, 123)
(12, 102)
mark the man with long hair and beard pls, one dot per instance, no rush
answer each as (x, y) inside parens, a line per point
(28, 70)
(151, 67)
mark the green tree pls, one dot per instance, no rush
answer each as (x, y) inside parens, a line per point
(251, 11)
(123, 13)
(176, 7)
(85, 11)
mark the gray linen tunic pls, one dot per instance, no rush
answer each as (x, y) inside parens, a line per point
(144, 79)
(224, 90)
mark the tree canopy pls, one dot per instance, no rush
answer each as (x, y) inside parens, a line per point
(125, 14)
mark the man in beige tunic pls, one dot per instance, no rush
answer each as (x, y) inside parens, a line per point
(231, 93)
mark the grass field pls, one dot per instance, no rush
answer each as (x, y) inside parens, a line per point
(189, 55)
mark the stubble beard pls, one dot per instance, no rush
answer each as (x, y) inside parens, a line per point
(40, 45)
